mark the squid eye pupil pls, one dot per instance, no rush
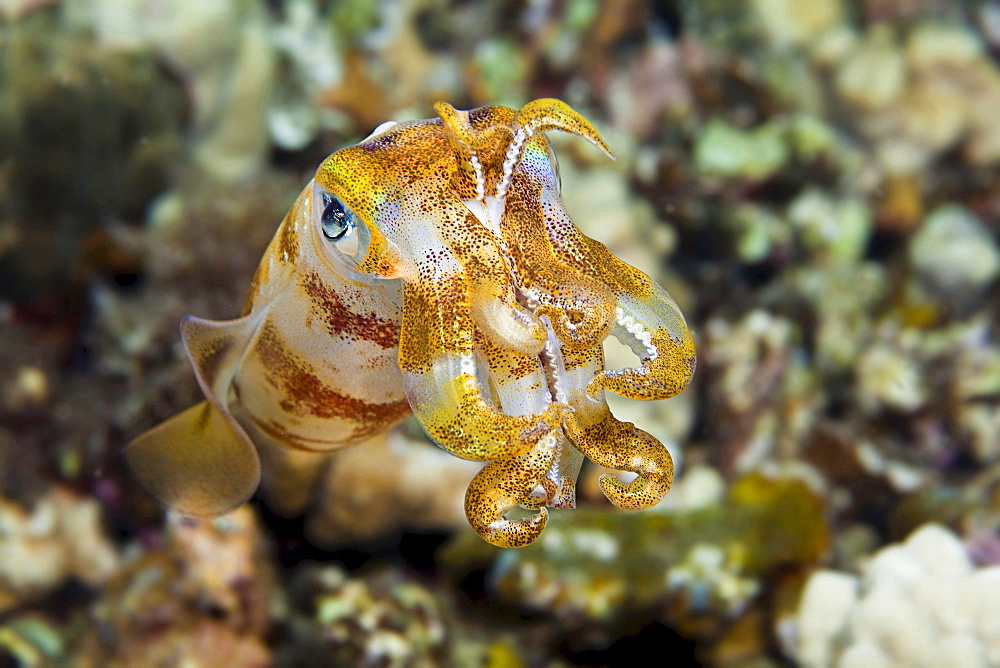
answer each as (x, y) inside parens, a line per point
(336, 221)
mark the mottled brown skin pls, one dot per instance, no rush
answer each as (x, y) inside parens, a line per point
(340, 321)
(305, 394)
(469, 290)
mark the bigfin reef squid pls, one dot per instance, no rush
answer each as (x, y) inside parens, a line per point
(433, 268)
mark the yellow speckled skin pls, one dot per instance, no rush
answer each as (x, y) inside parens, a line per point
(472, 300)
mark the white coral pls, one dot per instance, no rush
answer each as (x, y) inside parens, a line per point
(918, 603)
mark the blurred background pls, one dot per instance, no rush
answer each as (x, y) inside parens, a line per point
(815, 182)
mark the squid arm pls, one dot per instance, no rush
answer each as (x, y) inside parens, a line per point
(442, 378)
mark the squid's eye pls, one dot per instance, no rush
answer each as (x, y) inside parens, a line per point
(339, 225)
(336, 219)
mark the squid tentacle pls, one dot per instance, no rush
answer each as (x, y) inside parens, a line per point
(655, 330)
(624, 447)
(506, 323)
(580, 306)
(581, 312)
(550, 114)
(503, 485)
(645, 317)
(452, 409)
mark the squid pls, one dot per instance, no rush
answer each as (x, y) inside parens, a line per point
(433, 269)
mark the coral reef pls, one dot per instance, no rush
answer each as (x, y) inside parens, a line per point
(815, 183)
(381, 621)
(207, 592)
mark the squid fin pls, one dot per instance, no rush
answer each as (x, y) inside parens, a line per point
(201, 462)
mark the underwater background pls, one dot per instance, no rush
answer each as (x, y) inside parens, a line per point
(815, 182)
